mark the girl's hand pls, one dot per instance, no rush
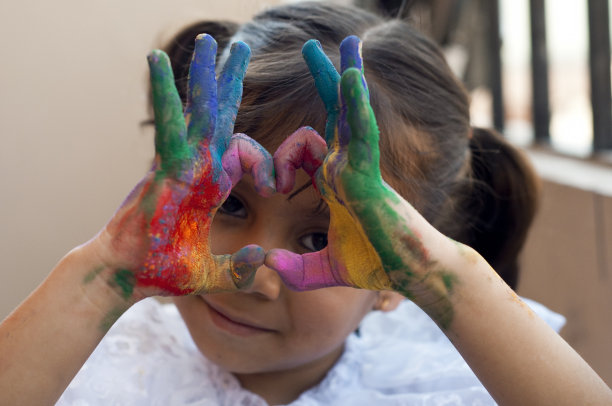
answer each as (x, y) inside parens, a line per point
(158, 241)
(376, 239)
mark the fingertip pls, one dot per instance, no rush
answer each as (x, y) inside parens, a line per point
(350, 53)
(241, 48)
(158, 61)
(303, 149)
(267, 187)
(244, 264)
(310, 47)
(265, 181)
(205, 39)
(284, 262)
(205, 51)
(155, 55)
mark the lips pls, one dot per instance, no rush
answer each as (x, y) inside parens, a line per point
(234, 324)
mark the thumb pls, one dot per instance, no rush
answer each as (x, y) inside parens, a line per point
(303, 272)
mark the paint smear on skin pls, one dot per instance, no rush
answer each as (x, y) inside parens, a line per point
(92, 275)
(353, 251)
(110, 318)
(303, 149)
(177, 256)
(124, 279)
(326, 80)
(244, 155)
(376, 208)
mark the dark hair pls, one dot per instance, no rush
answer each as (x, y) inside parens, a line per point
(471, 185)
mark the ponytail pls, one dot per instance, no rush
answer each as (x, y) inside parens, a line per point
(502, 202)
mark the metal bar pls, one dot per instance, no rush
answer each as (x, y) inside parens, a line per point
(539, 72)
(599, 65)
(495, 70)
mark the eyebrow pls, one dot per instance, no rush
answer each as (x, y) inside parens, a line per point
(300, 190)
(321, 209)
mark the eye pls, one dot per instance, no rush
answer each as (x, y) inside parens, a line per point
(314, 242)
(233, 207)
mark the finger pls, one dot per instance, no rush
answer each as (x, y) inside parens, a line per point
(326, 81)
(245, 155)
(230, 94)
(201, 110)
(363, 153)
(303, 149)
(245, 263)
(234, 271)
(170, 143)
(350, 55)
(303, 272)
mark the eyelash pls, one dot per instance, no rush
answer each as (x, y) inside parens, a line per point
(231, 199)
(313, 248)
(228, 208)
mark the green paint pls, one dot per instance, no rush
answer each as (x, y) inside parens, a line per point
(442, 315)
(449, 280)
(110, 319)
(170, 129)
(92, 275)
(125, 280)
(374, 204)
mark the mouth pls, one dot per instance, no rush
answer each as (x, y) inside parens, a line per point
(233, 324)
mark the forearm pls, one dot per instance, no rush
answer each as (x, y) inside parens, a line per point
(515, 354)
(47, 339)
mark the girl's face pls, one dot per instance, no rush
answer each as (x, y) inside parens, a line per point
(269, 328)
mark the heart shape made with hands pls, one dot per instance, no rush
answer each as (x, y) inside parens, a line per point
(199, 161)
(160, 235)
(376, 239)
(352, 164)
(305, 149)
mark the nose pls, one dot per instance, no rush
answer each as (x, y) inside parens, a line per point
(266, 284)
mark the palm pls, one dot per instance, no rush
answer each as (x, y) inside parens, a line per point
(348, 243)
(160, 235)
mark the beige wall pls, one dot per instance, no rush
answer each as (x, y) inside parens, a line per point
(568, 266)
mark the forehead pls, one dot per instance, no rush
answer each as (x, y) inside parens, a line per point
(302, 202)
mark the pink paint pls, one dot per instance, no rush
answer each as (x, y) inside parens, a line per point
(309, 271)
(245, 156)
(303, 149)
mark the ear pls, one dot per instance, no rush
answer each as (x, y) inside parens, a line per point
(388, 300)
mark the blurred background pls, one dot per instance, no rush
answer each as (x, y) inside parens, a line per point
(73, 91)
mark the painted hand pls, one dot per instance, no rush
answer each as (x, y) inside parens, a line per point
(158, 241)
(376, 239)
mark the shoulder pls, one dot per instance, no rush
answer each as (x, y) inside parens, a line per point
(403, 358)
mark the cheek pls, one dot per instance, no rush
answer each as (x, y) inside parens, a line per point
(330, 313)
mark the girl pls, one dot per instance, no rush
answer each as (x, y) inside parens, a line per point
(273, 323)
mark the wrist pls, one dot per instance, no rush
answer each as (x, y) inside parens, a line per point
(440, 282)
(95, 289)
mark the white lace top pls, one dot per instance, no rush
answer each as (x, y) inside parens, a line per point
(399, 358)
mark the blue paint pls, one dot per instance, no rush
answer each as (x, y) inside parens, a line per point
(326, 80)
(230, 94)
(202, 95)
(350, 55)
